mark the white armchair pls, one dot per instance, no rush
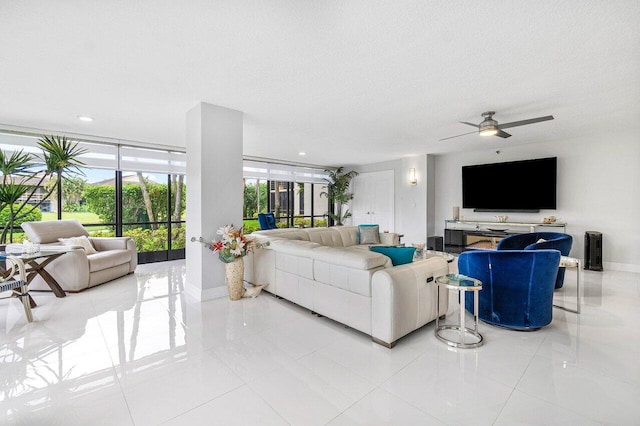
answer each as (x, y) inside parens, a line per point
(78, 270)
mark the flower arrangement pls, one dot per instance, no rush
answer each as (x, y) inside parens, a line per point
(233, 243)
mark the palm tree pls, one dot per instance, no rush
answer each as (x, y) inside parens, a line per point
(337, 192)
(60, 157)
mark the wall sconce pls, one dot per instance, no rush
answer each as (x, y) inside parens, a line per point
(413, 180)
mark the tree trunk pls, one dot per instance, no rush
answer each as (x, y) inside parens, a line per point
(177, 200)
(276, 199)
(147, 200)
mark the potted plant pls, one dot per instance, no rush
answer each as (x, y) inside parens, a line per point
(338, 193)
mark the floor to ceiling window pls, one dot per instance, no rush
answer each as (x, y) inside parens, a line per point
(124, 190)
(291, 192)
(118, 191)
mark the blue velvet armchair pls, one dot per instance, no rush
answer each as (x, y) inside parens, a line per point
(267, 221)
(517, 286)
(529, 241)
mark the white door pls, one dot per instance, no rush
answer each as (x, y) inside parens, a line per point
(382, 205)
(373, 199)
(361, 203)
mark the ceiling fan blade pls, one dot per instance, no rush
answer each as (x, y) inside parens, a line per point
(523, 122)
(456, 136)
(470, 124)
(503, 134)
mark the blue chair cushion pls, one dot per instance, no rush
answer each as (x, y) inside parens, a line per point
(398, 255)
(540, 241)
(517, 286)
(267, 221)
(271, 221)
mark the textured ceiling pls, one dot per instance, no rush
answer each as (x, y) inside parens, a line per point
(348, 82)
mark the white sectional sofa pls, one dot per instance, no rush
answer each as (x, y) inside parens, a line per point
(328, 272)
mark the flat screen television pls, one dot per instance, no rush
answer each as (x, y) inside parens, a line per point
(515, 186)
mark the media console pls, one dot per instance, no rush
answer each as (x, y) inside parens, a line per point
(462, 235)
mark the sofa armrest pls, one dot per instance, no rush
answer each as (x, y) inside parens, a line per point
(403, 298)
(118, 243)
(109, 243)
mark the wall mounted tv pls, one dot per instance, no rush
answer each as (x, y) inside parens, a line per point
(515, 186)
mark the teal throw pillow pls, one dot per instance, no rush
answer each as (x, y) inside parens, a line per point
(398, 255)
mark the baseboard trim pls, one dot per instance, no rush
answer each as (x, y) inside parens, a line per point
(623, 267)
(201, 295)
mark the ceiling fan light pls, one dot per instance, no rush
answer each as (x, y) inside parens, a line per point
(488, 132)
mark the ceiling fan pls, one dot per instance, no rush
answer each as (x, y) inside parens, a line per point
(490, 127)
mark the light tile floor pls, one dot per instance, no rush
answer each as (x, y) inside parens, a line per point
(139, 351)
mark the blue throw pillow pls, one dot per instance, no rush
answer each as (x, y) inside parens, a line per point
(398, 255)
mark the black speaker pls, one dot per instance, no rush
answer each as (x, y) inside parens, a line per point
(593, 250)
(435, 243)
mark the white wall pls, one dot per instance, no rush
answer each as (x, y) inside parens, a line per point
(598, 190)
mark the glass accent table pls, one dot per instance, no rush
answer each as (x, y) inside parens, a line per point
(459, 336)
(571, 262)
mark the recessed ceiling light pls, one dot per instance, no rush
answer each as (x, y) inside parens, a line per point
(85, 118)
(302, 153)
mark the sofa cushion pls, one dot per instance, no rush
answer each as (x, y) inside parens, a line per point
(325, 236)
(369, 234)
(349, 235)
(349, 279)
(285, 233)
(108, 259)
(81, 241)
(295, 247)
(345, 256)
(398, 255)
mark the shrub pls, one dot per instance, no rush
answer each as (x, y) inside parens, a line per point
(73, 208)
(150, 239)
(250, 226)
(178, 236)
(33, 216)
(318, 223)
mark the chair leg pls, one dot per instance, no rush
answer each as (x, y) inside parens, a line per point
(24, 298)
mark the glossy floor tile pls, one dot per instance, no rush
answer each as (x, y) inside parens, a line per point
(139, 351)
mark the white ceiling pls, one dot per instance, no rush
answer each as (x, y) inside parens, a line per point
(348, 82)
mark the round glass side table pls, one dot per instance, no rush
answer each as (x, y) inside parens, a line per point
(459, 336)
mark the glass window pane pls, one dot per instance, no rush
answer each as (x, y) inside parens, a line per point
(320, 205)
(144, 197)
(178, 192)
(89, 196)
(255, 201)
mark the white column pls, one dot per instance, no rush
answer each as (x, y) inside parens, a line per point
(214, 192)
